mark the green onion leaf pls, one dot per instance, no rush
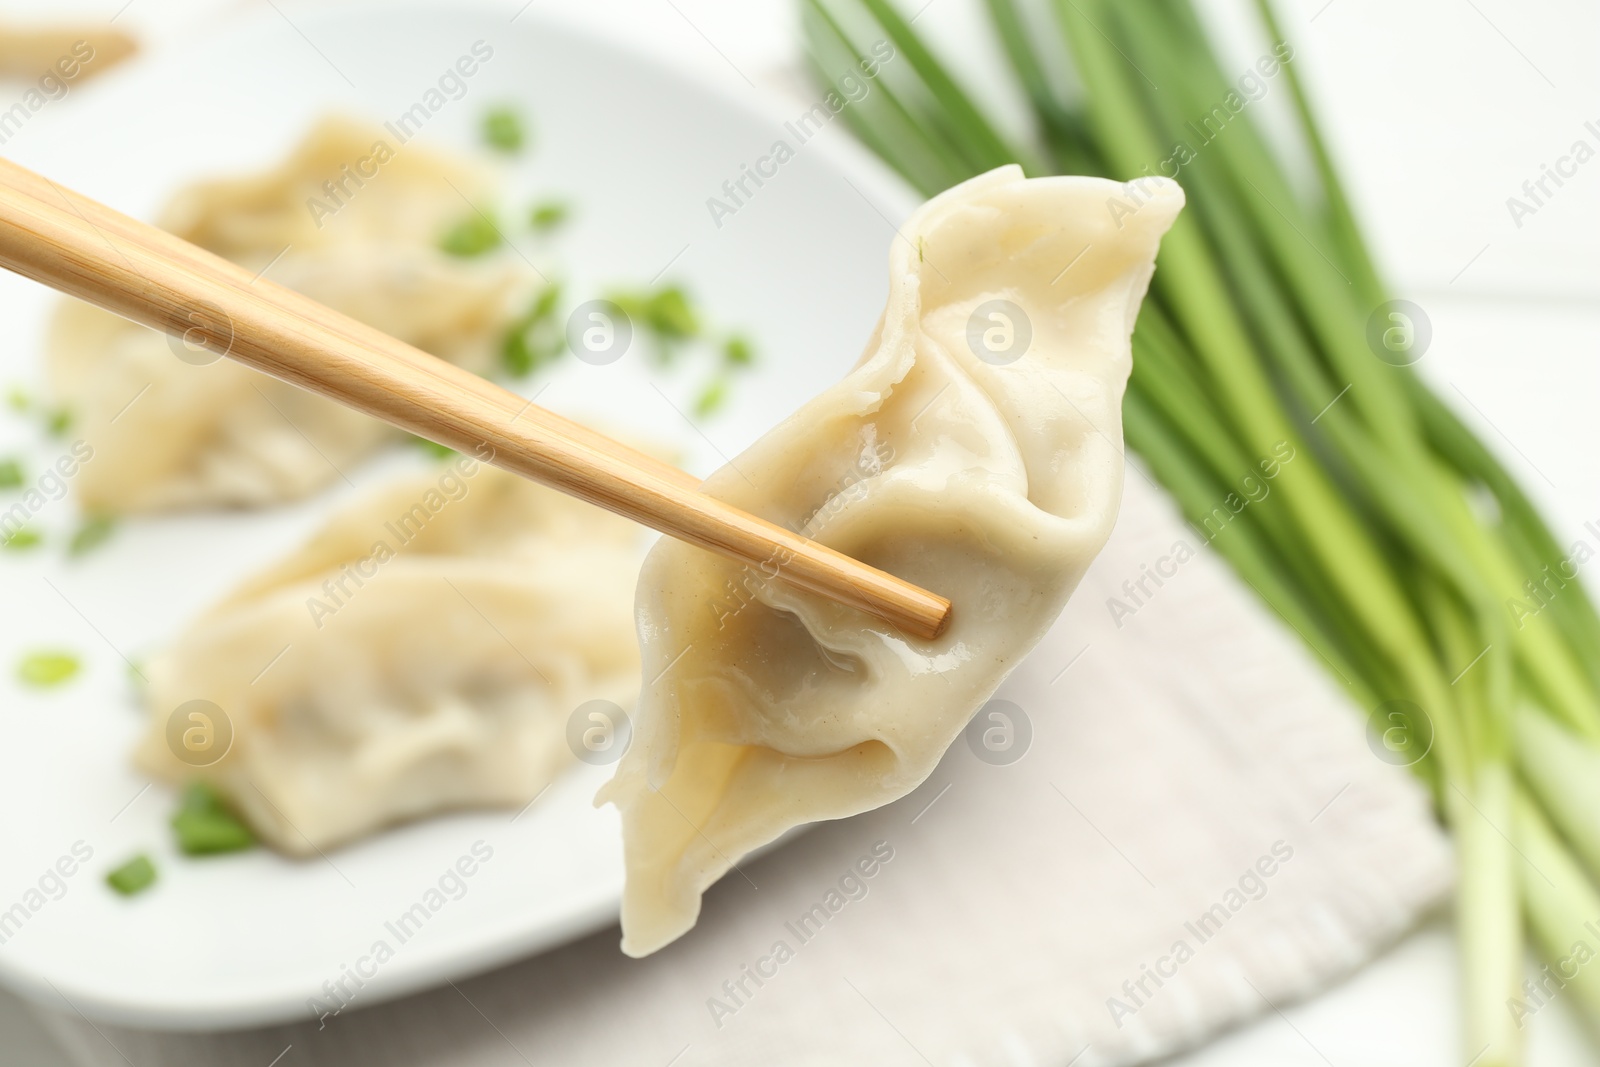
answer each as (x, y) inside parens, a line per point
(1394, 544)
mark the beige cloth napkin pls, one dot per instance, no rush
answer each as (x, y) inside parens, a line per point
(1195, 831)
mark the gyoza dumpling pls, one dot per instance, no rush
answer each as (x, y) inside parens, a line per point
(422, 653)
(976, 451)
(171, 434)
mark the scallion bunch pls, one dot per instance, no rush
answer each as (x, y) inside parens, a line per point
(1394, 544)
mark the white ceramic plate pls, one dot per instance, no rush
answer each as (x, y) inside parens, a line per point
(248, 938)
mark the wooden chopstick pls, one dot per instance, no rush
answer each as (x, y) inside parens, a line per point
(112, 223)
(135, 270)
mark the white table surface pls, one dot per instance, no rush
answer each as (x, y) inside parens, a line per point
(1440, 109)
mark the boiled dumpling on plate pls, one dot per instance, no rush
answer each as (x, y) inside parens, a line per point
(171, 434)
(422, 653)
(976, 450)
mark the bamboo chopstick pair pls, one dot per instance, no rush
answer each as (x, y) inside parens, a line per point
(83, 248)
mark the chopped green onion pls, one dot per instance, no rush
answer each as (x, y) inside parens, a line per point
(48, 668)
(502, 129)
(432, 448)
(205, 825)
(11, 476)
(93, 532)
(669, 314)
(666, 315)
(135, 876)
(58, 422)
(545, 304)
(712, 397)
(472, 236)
(17, 398)
(21, 540)
(516, 355)
(533, 349)
(548, 215)
(738, 352)
(535, 338)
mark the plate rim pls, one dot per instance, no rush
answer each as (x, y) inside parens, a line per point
(880, 187)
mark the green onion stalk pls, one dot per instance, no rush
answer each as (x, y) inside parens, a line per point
(1395, 544)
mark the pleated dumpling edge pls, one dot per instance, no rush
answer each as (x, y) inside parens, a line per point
(976, 449)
